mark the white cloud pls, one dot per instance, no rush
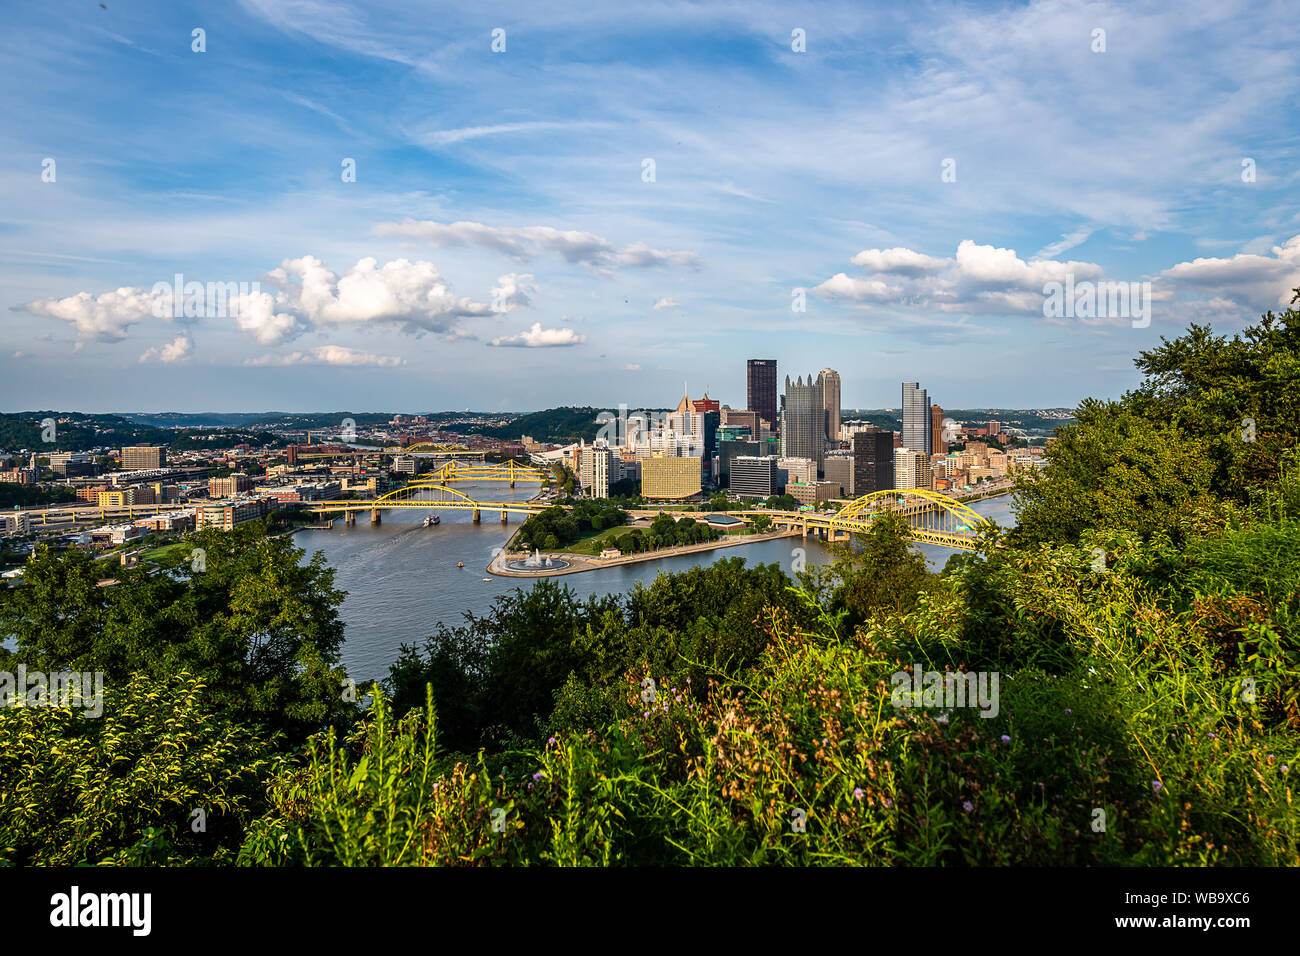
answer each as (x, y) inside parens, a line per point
(900, 261)
(632, 367)
(1258, 282)
(667, 303)
(174, 351)
(329, 355)
(105, 316)
(980, 278)
(410, 294)
(540, 338)
(512, 292)
(585, 248)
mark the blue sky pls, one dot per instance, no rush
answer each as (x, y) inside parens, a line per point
(501, 247)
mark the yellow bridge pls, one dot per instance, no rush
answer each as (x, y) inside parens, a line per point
(932, 518)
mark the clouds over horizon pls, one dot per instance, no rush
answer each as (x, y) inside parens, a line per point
(530, 242)
(540, 338)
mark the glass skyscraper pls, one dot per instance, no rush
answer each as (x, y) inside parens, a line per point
(803, 421)
(916, 418)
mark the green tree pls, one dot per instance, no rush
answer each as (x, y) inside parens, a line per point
(251, 619)
(124, 787)
(1112, 469)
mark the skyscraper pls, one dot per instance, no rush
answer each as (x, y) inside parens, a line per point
(938, 446)
(761, 388)
(916, 418)
(873, 460)
(803, 421)
(830, 380)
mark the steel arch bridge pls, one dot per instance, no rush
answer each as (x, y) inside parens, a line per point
(412, 497)
(430, 449)
(931, 517)
(510, 471)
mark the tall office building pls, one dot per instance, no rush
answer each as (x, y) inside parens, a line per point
(761, 388)
(937, 444)
(143, 457)
(595, 466)
(738, 417)
(730, 449)
(911, 469)
(753, 476)
(803, 421)
(916, 418)
(830, 380)
(873, 461)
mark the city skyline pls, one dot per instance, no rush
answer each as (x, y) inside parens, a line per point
(422, 236)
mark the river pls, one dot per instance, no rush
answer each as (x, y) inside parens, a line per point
(401, 578)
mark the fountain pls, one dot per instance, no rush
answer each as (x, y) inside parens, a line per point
(536, 563)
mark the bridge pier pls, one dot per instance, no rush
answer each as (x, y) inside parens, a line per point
(512, 484)
(503, 516)
(476, 516)
(350, 519)
(374, 517)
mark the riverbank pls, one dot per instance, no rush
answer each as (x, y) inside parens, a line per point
(580, 562)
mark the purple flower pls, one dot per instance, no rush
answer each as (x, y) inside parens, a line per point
(645, 713)
(1006, 739)
(1156, 786)
(1214, 736)
(857, 793)
(967, 806)
(1068, 710)
(538, 775)
(550, 741)
(1285, 768)
(888, 802)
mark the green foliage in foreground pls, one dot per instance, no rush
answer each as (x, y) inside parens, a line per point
(124, 788)
(1136, 710)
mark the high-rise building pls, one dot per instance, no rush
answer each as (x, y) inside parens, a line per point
(753, 476)
(803, 421)
(729, 451)
(873, 461)
(761, 389)
(830, 382)
(916, 418)
(143, 457)
(595, 463)
(838, 468)
(670, 477)
(230, 486)
(741, 416)
(911, 469)
(937, 444)
(710, 413)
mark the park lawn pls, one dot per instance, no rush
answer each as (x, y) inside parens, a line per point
(594, 541)
(160, 553)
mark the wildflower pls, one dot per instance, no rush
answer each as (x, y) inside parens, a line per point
(967, 806)
(1156, 785)
(888, 802)
(1006, 739)
(1285, 768)
(538, 775)
(1068, 710)
(549, 741)
(857, 791)
(645, 713)
(1214, 736)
